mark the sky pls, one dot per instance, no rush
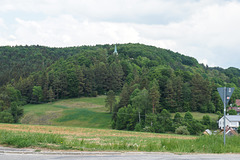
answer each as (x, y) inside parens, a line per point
(208, 30)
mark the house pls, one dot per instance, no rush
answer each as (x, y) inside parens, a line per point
(237, 102)
(229, 131)
(237, 109)
(232, 121)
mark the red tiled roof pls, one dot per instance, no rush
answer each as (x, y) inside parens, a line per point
(235, 108)
(238, 102)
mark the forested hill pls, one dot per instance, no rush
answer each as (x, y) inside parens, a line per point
(20, 61)
(37, 74)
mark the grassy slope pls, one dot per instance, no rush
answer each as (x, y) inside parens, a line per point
(79, 112)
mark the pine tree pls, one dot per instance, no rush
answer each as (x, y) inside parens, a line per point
(80, 78)
(110, 100)
(51, 95)
(170, 96)
(124, 96)
(155, 95)
(200, 93)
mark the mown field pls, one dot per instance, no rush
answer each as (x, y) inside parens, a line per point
(90, 139)
(78, 112)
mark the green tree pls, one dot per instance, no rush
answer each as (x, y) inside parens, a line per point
(37, 94)
(110, 100)
(6, 117)
(170, 96)
(51, 95)
(188, 116)
(154, 95)
(232, 112)
(142, 102)
(206, 120)
(201, 93)
(177, 118)
(165, 120)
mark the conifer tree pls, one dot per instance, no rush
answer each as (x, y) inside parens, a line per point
(155, 95)
(110, 100)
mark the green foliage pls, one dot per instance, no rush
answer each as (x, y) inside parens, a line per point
(11, 102)
(127, 118)
(232, 112)
(138, 127)
(188, 116)
(37, 93)
(37, 74)
(206, 120)
(182, 130)
(110, 100)
(6, 117)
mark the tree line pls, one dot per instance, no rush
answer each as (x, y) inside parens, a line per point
(147, 78)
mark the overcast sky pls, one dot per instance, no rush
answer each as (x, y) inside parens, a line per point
(208, 30)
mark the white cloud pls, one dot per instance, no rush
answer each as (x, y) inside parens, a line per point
(205, 29)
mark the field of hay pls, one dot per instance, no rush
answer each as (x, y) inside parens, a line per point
(91, 139)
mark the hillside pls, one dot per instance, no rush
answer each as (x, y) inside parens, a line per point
(151, 82)
(78, 112)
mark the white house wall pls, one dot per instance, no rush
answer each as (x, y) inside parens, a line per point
(228, 123)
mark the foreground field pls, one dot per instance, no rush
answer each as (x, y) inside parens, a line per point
(87, 139)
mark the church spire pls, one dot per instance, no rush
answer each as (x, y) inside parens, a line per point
(115, 50)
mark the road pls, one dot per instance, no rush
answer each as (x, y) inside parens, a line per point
(141, 156)
(31, 154)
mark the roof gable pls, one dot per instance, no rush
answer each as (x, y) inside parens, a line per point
(233, 118)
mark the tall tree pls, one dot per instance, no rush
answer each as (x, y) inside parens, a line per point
(201, 93)
(170, 97)
(155, 95)
(110, 100)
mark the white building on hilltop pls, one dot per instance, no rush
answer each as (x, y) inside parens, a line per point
(232, 121)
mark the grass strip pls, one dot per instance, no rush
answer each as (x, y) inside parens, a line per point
(203, 144)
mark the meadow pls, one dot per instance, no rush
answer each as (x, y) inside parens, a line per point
(77, 112)
(90, 139)
(84, 124)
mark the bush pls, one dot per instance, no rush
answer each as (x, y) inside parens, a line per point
(138, 127)
(182, 130)
(6, 117)
(232, 112)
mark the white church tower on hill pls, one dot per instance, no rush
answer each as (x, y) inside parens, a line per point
(115, 50)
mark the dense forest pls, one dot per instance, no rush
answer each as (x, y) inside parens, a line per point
(150, 81)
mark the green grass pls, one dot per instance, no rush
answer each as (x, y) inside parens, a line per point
(203, 144)
(77, 112)
(84, 117)
(199, 116)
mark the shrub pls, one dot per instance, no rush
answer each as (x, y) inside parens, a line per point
(232, 112)
(182, 130)
(138, 127)
(6, 117)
